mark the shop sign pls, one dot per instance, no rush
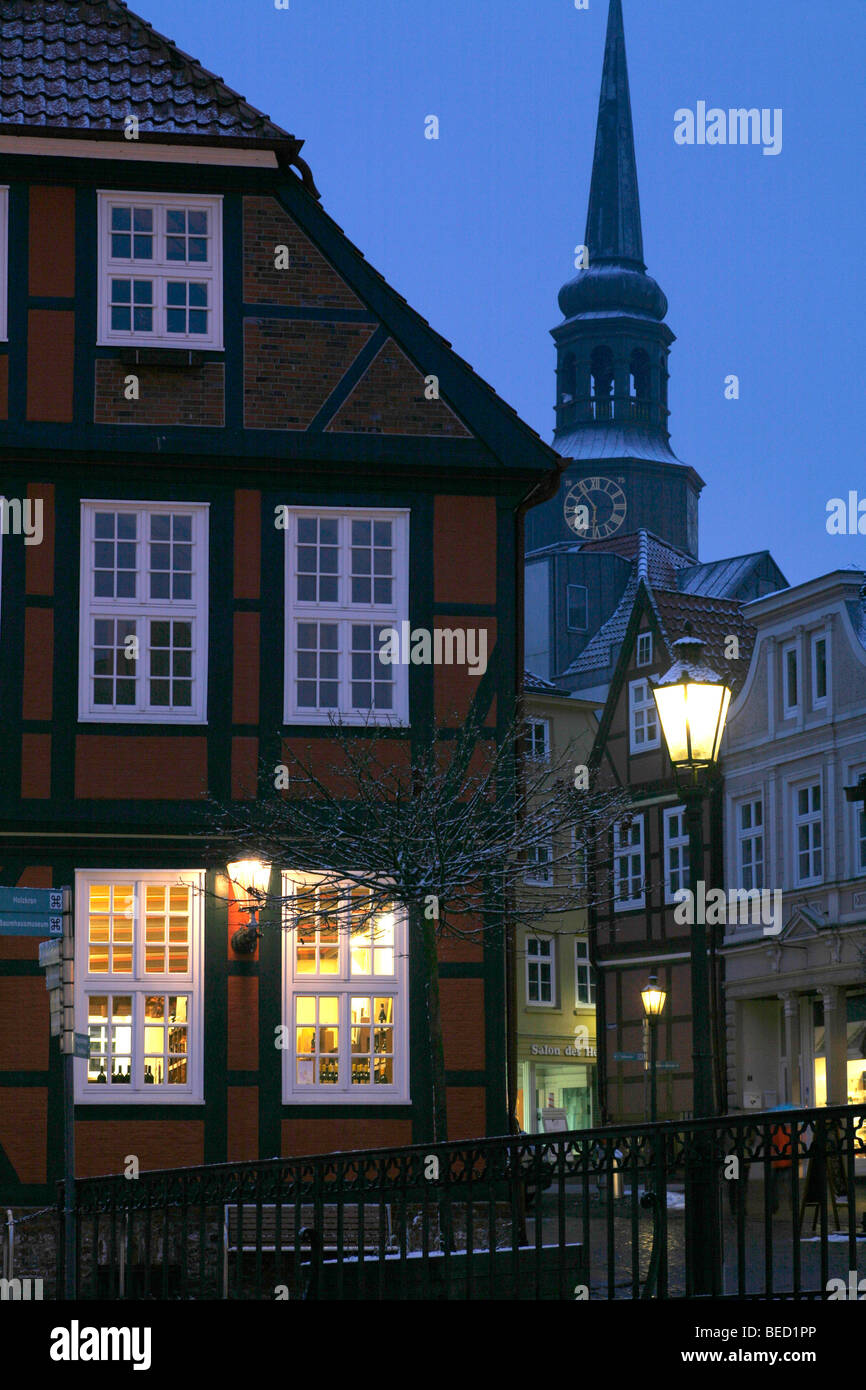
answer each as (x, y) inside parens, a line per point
(570, 1050)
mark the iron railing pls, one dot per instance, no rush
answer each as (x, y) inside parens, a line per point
(593, 1214)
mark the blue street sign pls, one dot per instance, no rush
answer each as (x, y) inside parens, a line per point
(30, 926)
(30, 902)
(629, 1056)
(82, 1045)
(668, 1066)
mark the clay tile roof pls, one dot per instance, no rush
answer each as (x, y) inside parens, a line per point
(714, 620)
(87, 64)
(538, 685)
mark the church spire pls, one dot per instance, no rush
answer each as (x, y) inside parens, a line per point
(613, 229)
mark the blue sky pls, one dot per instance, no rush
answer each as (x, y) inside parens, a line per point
(761, 257)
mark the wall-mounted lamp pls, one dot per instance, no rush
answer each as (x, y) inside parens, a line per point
(251, 878)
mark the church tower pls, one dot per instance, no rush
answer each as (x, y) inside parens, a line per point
(612, 360)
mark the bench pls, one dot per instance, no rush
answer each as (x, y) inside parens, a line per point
(294, 1220)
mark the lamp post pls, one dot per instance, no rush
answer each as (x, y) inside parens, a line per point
(653, 998)
(251, 878)
(692, 702)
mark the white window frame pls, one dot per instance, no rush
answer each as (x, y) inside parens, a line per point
(161, 271)
(143, 610)
(808, 821)
(644, 652)
(789, 709)
(4, 263)
(631, 849)
(752, 835)
(570, 626)
(538, 737)
(858, 823)
(583, 971)
(642, 714)
(533, 956)
(344, 613)
(138, 984)
(539, 874)
(820, 701)
(675, 844)
(344, 984)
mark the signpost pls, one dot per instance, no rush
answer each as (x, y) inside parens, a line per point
(47, 912)
(31, 912)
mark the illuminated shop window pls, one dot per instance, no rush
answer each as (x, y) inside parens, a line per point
(137, 985)
(346, 996)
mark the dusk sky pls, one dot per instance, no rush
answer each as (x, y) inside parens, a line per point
(760, 256)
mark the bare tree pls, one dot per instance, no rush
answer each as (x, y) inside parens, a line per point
(447, 827)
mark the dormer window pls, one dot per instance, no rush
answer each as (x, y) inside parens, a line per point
(160, 270)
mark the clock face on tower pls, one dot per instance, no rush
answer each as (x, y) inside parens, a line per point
(595, 508)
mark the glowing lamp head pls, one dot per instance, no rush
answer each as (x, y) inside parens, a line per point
(654, 999)
(250, 878)
(692, 702)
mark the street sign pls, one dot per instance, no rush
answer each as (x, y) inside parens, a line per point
(667, 1066)
(49, 953)
(30, 926)
(82, 1045)
(55, 1021)
(629, 1056)
(54, 976)
(31, 901)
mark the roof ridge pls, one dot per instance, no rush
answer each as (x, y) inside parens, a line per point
(642, 555)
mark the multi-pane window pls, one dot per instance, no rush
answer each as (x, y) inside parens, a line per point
(860, 838)
(819, 670)
(750, 843)
(160, 270)
(538, 738)
(577, 607)
(584, 975)
(138, 963)
(143, 643)
(539, 865)
(4, 261)
(790, 679)
(676, 852)
(345, 995)
(809, 831)
(644, 648)
(628, 864)
(346, 603)
(643, 717)
(540, 970)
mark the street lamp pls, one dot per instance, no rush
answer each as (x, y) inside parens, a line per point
(251, 878)
(692, 702)
(654, 999)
